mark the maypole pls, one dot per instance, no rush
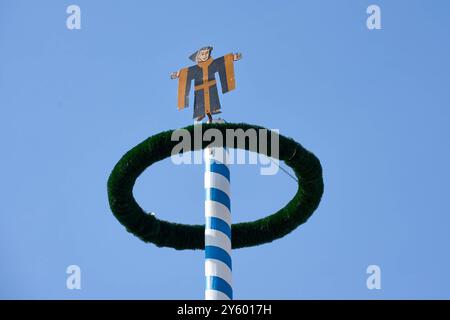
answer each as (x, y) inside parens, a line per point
(218, 235)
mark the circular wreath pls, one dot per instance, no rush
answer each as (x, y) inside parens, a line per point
(162, 233)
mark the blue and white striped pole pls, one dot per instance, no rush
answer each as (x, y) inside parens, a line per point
(218, 225)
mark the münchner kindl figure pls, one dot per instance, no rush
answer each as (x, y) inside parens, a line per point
(203, 73)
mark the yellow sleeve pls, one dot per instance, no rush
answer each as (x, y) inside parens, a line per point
(229, 70)
(182, 89)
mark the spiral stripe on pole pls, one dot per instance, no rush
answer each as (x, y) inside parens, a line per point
(218, 262)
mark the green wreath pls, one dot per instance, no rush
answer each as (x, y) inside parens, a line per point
(162, 233)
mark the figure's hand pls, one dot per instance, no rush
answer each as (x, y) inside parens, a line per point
(175, 75)
(237, 56)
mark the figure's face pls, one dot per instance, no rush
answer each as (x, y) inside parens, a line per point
(203, 55)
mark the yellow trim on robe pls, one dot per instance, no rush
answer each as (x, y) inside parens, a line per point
(205, 68)
(205, 85)
(229, 69)
(182, 88)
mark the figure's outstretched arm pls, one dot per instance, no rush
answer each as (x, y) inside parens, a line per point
(185, 76)
(225, 67)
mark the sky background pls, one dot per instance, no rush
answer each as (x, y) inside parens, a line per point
(372, 105)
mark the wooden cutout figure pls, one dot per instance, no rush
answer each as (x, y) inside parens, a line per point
(206, 99)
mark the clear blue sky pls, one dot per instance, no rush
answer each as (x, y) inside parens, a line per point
(372, 105)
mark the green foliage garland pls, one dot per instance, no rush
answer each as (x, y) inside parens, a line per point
(162, 233)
